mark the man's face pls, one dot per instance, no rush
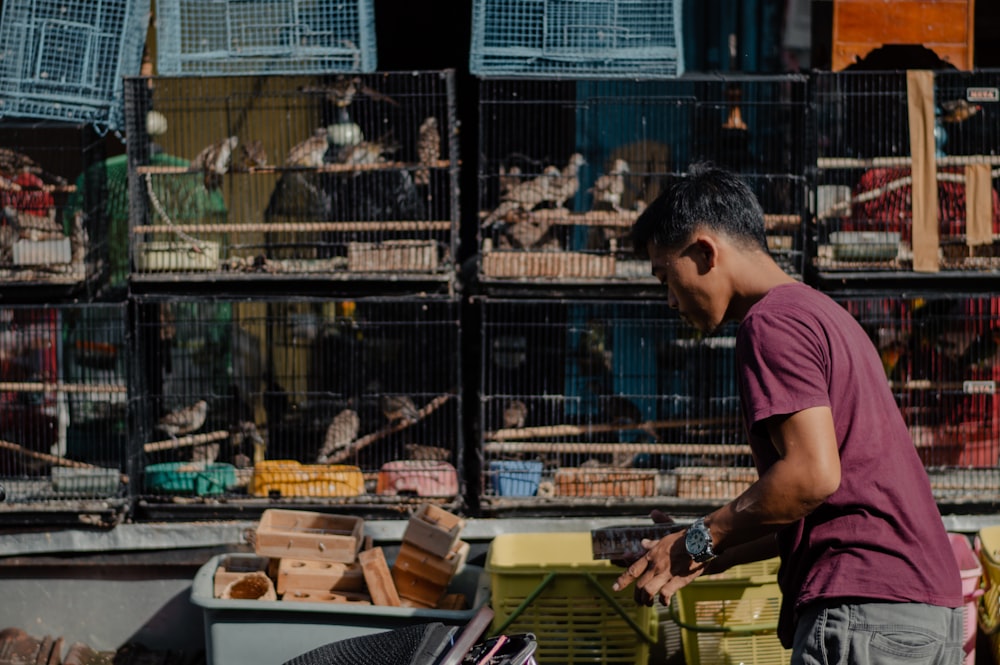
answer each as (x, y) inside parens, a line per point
(685, 273)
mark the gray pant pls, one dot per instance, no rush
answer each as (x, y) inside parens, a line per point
(864, 633)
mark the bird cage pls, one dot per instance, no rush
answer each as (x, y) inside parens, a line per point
(570, 38)
(594, 403)
(65, 59)
(870, 172)
(323, 401)
(566, 167)
(233, 37)
(338, 177)
(53, 233)
(64, 421)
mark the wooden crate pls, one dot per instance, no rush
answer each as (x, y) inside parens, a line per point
(605, 482)
(434, 530)
(301, 534)
(709, 482)
(551, 264)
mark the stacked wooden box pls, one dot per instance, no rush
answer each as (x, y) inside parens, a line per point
(430, 555)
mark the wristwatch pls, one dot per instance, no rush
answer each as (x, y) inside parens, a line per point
(698, 541)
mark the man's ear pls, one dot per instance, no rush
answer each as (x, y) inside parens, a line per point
(706, 251)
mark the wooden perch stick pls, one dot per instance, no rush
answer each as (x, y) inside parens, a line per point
(580, 430)
(326, 168)
(190, 440)
(51, 459)
(516, 447)
(398, 426)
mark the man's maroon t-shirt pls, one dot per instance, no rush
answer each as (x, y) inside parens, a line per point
(880, 535)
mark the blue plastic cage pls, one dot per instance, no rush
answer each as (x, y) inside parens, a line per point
(574, 38)
(246, 37)
(66, 59)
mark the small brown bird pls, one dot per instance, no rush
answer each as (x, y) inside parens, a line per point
(509, 178)
(185, 420)
(343, 91)
(251, 155)
(399, 407)
(526, 234)
(366, 152)
(428, 149)
(958, 110)
(526, 196)
(609, 188)
(415, 451)
(343, 430)
(309, 153)
(567, 184)
(515, 414)
(214, 161)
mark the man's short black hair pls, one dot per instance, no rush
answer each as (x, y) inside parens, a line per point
(708, 196)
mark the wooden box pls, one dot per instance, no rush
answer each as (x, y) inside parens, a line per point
(943, 26)
(438, 570)
(597, 481)
(434, 530)
(300, 575)
(300, 534)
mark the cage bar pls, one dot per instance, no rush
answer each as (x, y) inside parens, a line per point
(566, 167)
(569, 38)
(63, 384)
(299, 400)
(236, 37)
(601, 401)
(276, 177)
(54, 228)
(64, 59)
(864, 184)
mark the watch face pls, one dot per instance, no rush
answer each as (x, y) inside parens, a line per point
(696, 539)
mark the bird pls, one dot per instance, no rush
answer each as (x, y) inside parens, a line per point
(251, 155)
(567, 184)
(509, 178)
(416, 451)
(184, 420)
(214, 161)
(367, 152)
(342, 431)
(958, 110)
(981, 353)
(399, 407)
(206, 453)
(311, 152)
(526, 196)
(527, 233)
(344, 89)
(514, 414)
(608, 189)
(428, 149)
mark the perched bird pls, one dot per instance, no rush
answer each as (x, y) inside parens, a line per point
(428, 149)
(415, 451)
(567, 184)
(514, 414)
(251, 155)
(79, 238)
(367, 152)
(399, 407)
(526, 196)
(343, 91)
(185, 420)
(311, 152)
(342, 431)
(609, 188)
(527, 233)
(509, 178)
(205, 454)
(958, 110)
(214, 161)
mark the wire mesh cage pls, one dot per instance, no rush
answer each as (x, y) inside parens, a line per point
(231, 37)
(63, 384)
(340, 176)
(601, 401)
(940, 354)
(299, 400)
(53, 231)
(566, 167)
(64, 60)
(572, 38)
(868, 176)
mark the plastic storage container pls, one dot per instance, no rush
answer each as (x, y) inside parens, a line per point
(515, 477)
(190, 478)
(972, 572)
(732, 617)
(549, 584)
(238, 632)
(292, 478)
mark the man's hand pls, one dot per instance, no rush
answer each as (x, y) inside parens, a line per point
(665, 568)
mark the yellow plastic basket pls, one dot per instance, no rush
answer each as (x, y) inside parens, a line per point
(987, 547)
(290, 478)
(732, 617)
(549, 584)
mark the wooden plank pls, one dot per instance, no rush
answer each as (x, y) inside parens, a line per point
(378, 578)
(298, 227)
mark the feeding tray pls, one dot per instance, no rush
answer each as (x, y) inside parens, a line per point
(190, 478)
(865, 245)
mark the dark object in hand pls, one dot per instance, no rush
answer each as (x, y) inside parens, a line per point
(623, 544)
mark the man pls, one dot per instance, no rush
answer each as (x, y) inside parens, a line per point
(867, 571)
